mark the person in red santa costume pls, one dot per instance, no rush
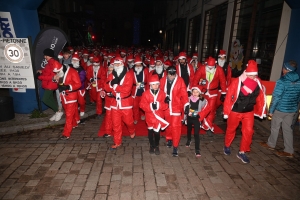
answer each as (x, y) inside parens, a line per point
(107, 121)
(139, 86)
(177, 99)
(151, 64)
(129, 61)
(153, 103)
(122, 102)
(69, 83)
(210, 77)
(159, 68)
(245, 99)
(194, 62)
(96, 76)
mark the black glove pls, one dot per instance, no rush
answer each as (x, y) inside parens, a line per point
(115, 81)
(167, 99)
(154, 106)
(222, 97)
(37, 75)
(189, 93)
(92, 80)
(63, 87)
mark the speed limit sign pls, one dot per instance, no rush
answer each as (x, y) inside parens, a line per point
(14, 53)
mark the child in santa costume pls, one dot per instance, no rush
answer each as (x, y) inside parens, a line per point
(96, 76)
(139, 87)
(195, 113)
(245, 99)
(152, 102)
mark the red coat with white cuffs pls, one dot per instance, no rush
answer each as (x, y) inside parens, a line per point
(145, 80)
(121, 92)
(233, 93)
(99, 76)
(178, 95)
(72, 79)
(212, 87)
(154, 118)
(191, 73)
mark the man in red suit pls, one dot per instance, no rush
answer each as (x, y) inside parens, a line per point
(139, 83)
(69, 83)
(96, 76)
(177, 98)
(244, 100)
(122, 102)
(210, 77)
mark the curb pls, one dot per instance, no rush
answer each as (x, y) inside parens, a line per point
(40, 125)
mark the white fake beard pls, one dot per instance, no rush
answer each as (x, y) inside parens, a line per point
(61, 73)
(159, 69)
(171, 58)
(166, 67)
(96, 67)
(119, 69)
(89, 63)
(85, 60)
(130, 65)
(75, 64)
(138, 70)
(210, 70)
(151, 68)
(221, 62)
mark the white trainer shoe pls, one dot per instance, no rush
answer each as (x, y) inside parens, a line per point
(58, 116)
(53, 117)
(81, 114)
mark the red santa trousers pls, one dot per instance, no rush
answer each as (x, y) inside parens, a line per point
(96, 96)
(70, 111)
(173, 131)
(212, 103)
(233, 121)
(118, 116)
(137, 112)
(107, 123)
(81, 100)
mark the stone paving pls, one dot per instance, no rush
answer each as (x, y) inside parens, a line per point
(36, 164)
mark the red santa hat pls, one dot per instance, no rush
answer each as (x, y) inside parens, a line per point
(85, 52)
(152, 62)
(60, 55)
(195, 55)
(70, 48)
(91, 55)
(211, 61)
(57, 67)
(159, 59)
(200, 89)
(182, 55)
(251, 68)
(75, 56)
(118, 60)
(122, 51)
(96, 61)
(137, 60)
(222, 53)
(130, 57)
(153, 79)
(168, 63)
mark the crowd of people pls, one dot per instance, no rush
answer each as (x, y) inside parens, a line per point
(165, 90)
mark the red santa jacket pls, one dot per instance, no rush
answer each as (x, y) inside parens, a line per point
(145, 81)
(99, 76)
(212, 86)
(72, 79)
(154, 118)
(121, 92)
(84, 64)
(47, 75)
(178, 95)
(233, 93)
(191, 73)
(108, 96)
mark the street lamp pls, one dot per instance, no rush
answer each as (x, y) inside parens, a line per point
(160, 31)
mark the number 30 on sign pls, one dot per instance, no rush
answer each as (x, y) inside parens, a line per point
(14, 53)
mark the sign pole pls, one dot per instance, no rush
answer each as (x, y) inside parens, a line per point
(37, 91)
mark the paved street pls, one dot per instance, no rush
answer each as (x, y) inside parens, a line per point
(37, 165)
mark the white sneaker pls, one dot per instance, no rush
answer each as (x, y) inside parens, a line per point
(81, 114)
(53, 117)
(58, 116)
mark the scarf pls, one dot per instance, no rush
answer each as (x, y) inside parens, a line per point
(249, 84)
(194, 99)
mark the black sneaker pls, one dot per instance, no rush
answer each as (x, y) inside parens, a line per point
(151, 150)
(64, 137)
(188, 143)
(169, 143)
(175, 152)
(106, 135)
(157, 152)
(243, 157)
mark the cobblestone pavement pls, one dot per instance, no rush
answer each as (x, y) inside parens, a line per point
(36, 164)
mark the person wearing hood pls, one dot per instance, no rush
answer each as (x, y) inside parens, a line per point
(283, 108)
